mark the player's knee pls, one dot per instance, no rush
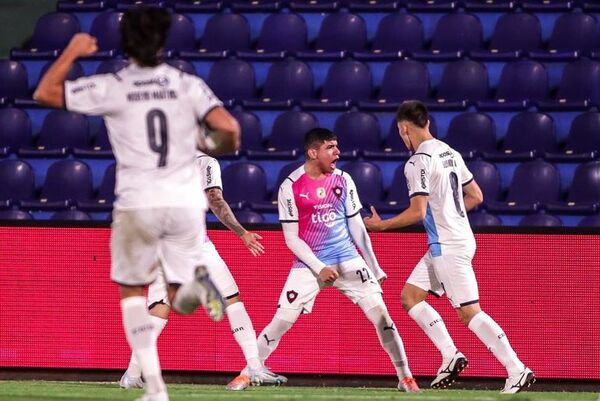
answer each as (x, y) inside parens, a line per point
(467, 313)
(375, 309)
(411, 296)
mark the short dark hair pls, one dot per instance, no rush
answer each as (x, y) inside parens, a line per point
(144, 31)
(413, 111)
(316, 136)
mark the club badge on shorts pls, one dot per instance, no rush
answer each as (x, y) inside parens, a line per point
(291, 296)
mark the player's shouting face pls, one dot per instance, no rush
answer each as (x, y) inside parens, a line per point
(327, 155)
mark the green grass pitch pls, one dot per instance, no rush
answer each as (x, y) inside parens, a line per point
(86, 391)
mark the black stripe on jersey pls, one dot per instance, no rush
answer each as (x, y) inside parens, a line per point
(468, 182)
(419, 194)
(117, 77)
(288, 221)
(232, 296)
(288, 178)
(435, 294)
(469, 303)
(421, 153)
(351, 216)
(214, 186)
(153, 304)
(209, 110)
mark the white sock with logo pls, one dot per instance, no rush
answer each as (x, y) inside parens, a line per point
(134, 369)
(244, 334)
(432, 324)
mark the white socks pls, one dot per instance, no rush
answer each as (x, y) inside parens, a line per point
(269, 338)
(134, 369)
(244, 334)
(432, 324)
(141, 335)
(390, 339)
(494, 338)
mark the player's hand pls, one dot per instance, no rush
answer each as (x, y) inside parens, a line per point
(374, 223)
(251, 240)
(382, 279)
(82, 45)
(328, 275)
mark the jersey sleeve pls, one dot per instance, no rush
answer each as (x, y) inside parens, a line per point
(465, 174)
(416, 171)
(288, 211)
(201, 96)
(91, 95)
(211, 176)
(352, 202)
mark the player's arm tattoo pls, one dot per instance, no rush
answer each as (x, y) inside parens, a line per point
(221, 209)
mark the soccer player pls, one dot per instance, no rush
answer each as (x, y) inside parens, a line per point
(437, 179)
(319, 212)
(241, 326)
(152, 112)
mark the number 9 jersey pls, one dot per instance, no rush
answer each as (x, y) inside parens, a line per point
(438, 171)
(152, 116)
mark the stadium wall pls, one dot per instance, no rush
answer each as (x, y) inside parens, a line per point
(58, 308)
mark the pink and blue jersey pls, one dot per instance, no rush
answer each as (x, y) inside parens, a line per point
(321, 209)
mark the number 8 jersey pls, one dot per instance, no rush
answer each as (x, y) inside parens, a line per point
(438, 171)
(151, 115)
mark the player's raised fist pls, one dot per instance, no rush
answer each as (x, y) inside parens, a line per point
(82, 44)
(328, 274)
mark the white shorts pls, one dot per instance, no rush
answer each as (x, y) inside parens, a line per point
(138, 236)
(217, 269)
(451, 272)
(356, 281)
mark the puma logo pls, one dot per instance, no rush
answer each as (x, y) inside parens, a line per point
(413, 163)
(303, 195)
(389, 327)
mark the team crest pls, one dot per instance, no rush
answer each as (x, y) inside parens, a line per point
(291, 296)
(320, 192)
(337, 191)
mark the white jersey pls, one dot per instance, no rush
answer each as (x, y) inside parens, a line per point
(151, 115)
(210, 172)
(439, 171)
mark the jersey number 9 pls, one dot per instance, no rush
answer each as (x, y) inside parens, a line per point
(156, 120)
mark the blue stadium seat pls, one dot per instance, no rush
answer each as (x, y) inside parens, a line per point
(283, 32)
(583, 141)
(52, 33)
(535, 183)
(271, 205)
(15, 215)
(342, 31)
(505, 44)
(287, 81)
(75, 72)
(232, 79)
(399, 32)
(70, 215)
(573, 32)
(403, 80)
(181, 34)
(357, 131)
(17, 180)
(463, 80)
(249, 217)
(529, 134)
(487, 177)
(226, 32)
(397, 197)
(584, 193)
(106, 28)
(589, 221)
(252, 135)
(347, 81)
(483, 219)
(287, 135)
(13, 80)
(67, 182)
(61, 132)
(183, 66)
(472, 133)
(455, 35)
(368, 179)
(579, 85)
(103, 202)
(100, 147)
(540, 220)
(244, 182)
(393, 146)
(15, 130)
